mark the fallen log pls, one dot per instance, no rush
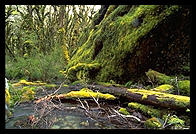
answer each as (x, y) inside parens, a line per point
(84, 93)
(166, 100)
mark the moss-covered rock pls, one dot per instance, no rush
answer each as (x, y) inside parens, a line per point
(132, 39)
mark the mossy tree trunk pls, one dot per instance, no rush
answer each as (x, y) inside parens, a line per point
(132, 39)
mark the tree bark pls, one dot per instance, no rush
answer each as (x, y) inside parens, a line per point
(176, 102)
(159, 99)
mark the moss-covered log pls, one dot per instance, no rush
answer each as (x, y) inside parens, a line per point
(132, 39)
(147, 97)
(84, 93)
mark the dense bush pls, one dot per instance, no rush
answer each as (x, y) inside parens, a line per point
(38, 67)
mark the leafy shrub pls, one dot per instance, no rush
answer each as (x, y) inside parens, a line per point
(39, 67)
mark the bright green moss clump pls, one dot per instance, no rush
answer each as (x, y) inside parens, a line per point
(149, 110)
(164, 88)
(124, 111)
(87, 93)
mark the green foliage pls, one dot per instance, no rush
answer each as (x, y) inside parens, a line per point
(21, 94)
(38, 67)
(128, 84)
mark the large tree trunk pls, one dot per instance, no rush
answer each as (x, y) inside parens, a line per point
(132, 39)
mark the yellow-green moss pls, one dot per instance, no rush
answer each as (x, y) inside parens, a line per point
(65, 85)
(75, 72)
(144, 97)
(181, 101)
(118, 39)
(27, 95)
(184, 87)
(87, 93)
(149, 110)
(50, 85)
(24, 82)
(124, 111)
(164, 88)
(153, 123)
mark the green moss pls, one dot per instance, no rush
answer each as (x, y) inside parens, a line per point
(50, 85)
(81, 69)
(124, 111)
(118, 38)
(24, 82)
(180, 101)
(148, 110)
(87, 93)
(144, 97)
(157, 77)
(65, 85)
(111, 8)
(184, 87)
(153, 123)
(164, 88)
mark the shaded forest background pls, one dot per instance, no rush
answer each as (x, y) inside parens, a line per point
(40, 39)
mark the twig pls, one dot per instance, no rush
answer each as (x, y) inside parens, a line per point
(128, 116)
(86, 104)
(49, 96)
(177, 85)
(96, 101)
(151, 81)
(58, 88)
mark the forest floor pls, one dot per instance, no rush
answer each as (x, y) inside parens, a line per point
(74, 113)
